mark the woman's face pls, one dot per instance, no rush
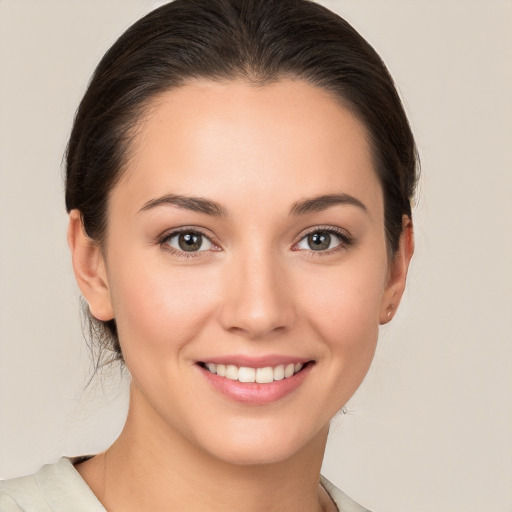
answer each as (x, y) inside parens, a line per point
(247, 232)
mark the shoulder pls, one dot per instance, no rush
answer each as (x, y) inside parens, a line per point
(55, 487)
(343, 502)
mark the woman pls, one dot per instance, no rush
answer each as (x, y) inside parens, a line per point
(239, 178)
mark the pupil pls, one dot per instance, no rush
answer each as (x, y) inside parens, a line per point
(319, 241)
(190, 241)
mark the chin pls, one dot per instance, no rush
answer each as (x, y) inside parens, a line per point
(256, 455)
(273, 446)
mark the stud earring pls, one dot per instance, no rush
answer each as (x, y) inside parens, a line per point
(391, 308)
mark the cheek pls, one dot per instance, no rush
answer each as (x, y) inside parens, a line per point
(157, 308)
(343, 305)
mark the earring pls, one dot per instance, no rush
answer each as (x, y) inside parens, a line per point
(391, 308)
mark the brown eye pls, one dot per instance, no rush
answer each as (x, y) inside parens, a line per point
(189, 241)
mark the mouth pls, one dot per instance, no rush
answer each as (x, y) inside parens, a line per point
(256, 385)
(264, 375)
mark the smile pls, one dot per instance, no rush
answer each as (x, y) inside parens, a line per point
(263, 375)
(256, 382)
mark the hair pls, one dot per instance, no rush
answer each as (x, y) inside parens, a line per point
(259, 41)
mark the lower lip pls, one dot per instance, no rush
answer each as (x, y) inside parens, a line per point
(253, 392)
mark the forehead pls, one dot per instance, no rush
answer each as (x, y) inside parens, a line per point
(229, 140)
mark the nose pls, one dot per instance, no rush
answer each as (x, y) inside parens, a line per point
(258, 300)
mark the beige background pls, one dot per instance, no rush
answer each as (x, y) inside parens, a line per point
(431, 427)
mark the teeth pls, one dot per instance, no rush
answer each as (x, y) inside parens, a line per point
(246, 374)
(264, 375)
(231, 372)
(260, 375)
(279, 372)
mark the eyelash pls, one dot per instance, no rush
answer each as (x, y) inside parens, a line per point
(345, 239)
(166, 237)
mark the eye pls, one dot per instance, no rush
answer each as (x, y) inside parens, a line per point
(188, 241)
(323, 240)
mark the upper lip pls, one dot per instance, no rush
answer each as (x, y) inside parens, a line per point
(255, 361)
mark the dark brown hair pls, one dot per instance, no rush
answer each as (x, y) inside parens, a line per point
(260, 41)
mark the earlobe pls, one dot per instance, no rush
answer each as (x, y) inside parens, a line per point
(398, 269)
(89, 268)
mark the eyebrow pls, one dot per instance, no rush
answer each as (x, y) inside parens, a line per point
(323, 202)
(209, 207)
(195, 204)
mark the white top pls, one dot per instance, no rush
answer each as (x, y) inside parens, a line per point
(60, 488)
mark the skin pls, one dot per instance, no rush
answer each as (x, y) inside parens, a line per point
(258, 288)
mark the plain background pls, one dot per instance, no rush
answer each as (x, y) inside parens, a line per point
(431, 427)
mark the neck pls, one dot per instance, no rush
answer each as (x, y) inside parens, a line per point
(151, 467)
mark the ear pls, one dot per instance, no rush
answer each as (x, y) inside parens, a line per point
(90, 270)
(397, 275)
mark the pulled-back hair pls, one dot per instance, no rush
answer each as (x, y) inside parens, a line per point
(259, 41)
